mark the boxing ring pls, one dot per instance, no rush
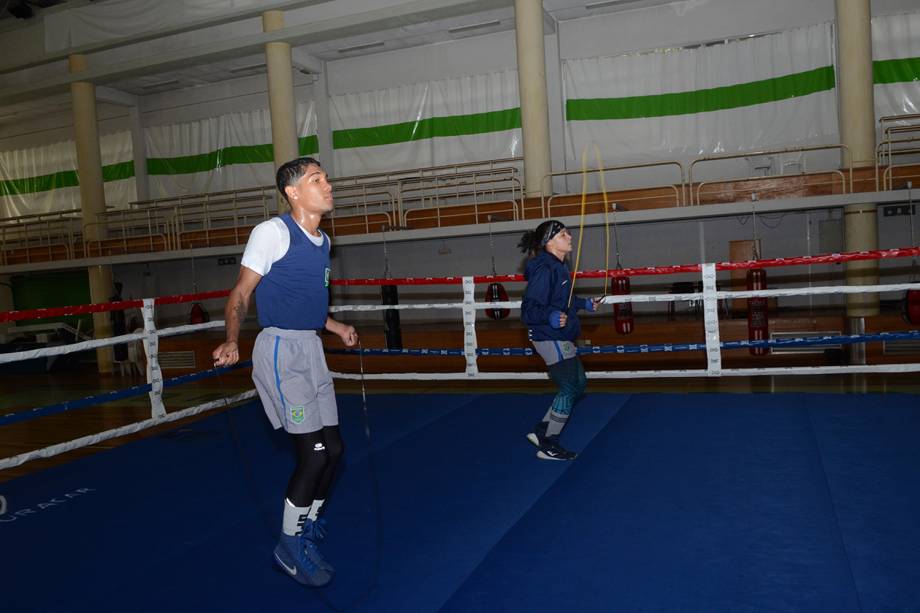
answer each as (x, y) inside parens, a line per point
(678, 501)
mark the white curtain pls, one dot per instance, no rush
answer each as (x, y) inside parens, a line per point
(895, 39)
(464, 119)
(714, 99)
(218, 153)
(44, 179)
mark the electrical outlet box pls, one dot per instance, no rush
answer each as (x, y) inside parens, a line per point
(893, 210)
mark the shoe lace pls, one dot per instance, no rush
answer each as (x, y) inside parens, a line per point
(319, 530)
(302, 557)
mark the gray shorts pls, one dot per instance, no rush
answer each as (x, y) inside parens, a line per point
(290, 373)
(555, 351)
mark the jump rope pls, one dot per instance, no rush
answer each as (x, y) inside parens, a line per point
(581, 225)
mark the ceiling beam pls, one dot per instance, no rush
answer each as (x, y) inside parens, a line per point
(305, 62)
(549, 24)
(115, 96)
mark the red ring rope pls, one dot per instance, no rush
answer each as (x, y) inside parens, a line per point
(832, 258)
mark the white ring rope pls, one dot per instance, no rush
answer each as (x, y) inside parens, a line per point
(93, 439)
(708, 297)
(16, 356)
(617, 299)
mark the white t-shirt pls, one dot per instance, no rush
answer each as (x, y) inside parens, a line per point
(268, 243)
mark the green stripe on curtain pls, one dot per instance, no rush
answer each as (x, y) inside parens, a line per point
(205, 162)
(896, 71)
(703, 100)
(433, 127)
(308, 145)
(65, 178)
(31, 185)
(228, 156)
(160, 166)
(117, 172)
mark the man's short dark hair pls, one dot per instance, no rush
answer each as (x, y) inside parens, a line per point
(291, 172)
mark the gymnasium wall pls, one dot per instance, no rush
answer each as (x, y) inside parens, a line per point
(473, 80)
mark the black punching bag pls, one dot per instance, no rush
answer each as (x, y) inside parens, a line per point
(391, 328)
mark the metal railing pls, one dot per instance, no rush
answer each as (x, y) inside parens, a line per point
(459, 191)
(895, 119)
(846, 180)
(679, 188)
(47, 234)
(127, 231)
(426, 197)
(223, 218)
(888, 149)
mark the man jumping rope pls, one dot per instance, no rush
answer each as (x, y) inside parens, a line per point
(286, 263)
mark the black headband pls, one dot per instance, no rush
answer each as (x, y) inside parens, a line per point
(554, 228)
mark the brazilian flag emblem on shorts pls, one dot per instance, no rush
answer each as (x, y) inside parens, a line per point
(297, 414)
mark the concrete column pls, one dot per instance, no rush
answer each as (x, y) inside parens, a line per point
(92, 197)
(139, 150)
(323, 121)
(531, 62)
(857, 132)
(556, 104)
(280, 95)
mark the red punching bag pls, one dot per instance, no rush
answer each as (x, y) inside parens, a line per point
(197, 314)
(496, 293)
(912, 306)
(758, 321)
(622, 312)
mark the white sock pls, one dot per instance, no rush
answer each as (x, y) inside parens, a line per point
(293, 519)
(314, 509)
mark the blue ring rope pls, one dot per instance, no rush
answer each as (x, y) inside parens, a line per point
(137, 390)
(652, 348)
(88, 401)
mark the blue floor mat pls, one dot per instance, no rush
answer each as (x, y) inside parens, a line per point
(794, 502)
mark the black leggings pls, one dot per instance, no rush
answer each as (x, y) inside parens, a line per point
(318, 454)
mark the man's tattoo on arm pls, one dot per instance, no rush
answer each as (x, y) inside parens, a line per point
(240, 311)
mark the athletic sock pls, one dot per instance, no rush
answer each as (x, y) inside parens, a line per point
(314, 509)
(293, 519)
(556, 423)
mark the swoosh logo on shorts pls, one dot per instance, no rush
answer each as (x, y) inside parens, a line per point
(292, 570)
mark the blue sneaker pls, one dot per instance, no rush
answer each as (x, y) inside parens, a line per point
(295, 560)
(319, 530)
(313, 533)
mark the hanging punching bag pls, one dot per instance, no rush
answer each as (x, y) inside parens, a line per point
(495, 292)
(197, 314)
(622, 312)
(911, 309)
(758, 321)
(392, 331)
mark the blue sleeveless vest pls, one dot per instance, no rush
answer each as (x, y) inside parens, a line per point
(294, 295)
